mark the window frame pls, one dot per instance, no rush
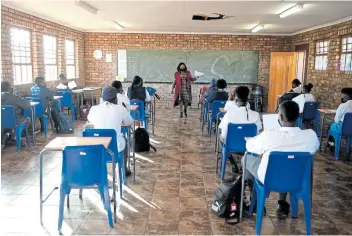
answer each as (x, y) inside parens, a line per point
(22, 64)
(348, 52)
(74, 58)
(56, 57)
(323, 54)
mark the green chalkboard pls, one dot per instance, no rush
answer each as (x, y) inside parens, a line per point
(160, 65)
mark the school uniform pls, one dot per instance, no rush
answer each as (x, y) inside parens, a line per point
(302, 99)
(296, 90)
(141, 94)
(122, 100)
(340, 114)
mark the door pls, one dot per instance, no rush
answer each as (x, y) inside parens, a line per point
(282, 72)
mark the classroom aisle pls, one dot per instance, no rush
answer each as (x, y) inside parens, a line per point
(172, 194)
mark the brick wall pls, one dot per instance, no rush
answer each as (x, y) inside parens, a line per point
(327, 83)
(39, 27)
(100, 73)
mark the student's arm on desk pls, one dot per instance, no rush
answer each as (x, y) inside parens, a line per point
(256, 144)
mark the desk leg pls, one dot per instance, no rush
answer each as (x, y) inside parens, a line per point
(33, 125)
(243, 182)
(41, 156)
(321, 131)
(113, 182)
(134, 151)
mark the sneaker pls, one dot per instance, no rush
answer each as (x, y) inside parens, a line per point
(283, 209)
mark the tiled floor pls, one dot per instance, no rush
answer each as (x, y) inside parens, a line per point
(172, 193)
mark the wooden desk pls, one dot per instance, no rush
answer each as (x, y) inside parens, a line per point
(325, 112)
(59, 144)
(91, 90)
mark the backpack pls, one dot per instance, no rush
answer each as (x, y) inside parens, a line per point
(84, 111)
(142, 143)
(66, 125)
(227, 202)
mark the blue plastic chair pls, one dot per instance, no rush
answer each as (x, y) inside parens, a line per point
(287, 172)
(84, 167)
(235, 142)
(346, 131)
(66, 101)
(215, 111)
(8, 121)
(119, 157)
(140, 115)
(40, 113)
(310, 113)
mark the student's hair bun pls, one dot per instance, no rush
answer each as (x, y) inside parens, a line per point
(310, 85)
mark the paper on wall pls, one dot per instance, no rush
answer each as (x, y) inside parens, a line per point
(72, 84)
(198, 73)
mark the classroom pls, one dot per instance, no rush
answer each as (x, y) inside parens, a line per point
(176, 117)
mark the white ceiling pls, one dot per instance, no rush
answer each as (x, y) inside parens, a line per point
(175, 16)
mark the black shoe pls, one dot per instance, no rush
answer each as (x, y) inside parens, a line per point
(181, 115)
(283, 209)
(235, 169)
(128, 172)
(185, 111)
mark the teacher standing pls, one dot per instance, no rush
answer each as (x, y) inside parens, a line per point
(182, 86)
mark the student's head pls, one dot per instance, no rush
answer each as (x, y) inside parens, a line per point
(137, 81)
(241, 95)
(109, 95)
(39, 80)
(346, 94)
(63, 79)
(117, 85)
(296, 83)
(288, 113)
(221, 84)
(6, 87)
(307, 88)
(181, 67)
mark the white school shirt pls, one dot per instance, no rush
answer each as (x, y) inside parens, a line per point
(110, 116)
(286, 139)
(147, 96)
(342, 110)
(303, 98)
(238, 115)
(121, 99)
(230, 104)
(61, 86)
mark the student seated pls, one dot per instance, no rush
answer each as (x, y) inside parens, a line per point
(63, 82)
(305, 97)
(219, 93)
(19, 104)
(296, 86)
(294, 92)
(111, 115)
(138, 92)
(121, 98)
(289, 138)
(41, 91)
(211, 91)
(238, 114)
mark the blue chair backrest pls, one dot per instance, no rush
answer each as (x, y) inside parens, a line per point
(151, 91)
(310, 110)
(39, 110)
(286, 171)
(217, 104)
(8, 119)
(236, 133)
(84, 165)
(141, 110)
(104, 133)
(347, 124)
(66, 101)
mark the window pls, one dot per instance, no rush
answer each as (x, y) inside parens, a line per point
(50, 59)
(321, 55)
(70, 59)
(21, 56)
(346, 54)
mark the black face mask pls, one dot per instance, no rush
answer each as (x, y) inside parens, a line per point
(345, 99)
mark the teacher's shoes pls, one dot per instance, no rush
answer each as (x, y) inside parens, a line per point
(185, 112)
(181, 115)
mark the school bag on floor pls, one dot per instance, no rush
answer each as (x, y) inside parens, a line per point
(228, 199)
(66, 125)
(142, 143)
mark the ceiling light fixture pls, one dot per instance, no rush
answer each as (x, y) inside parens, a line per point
(257, 28)
(86, 7)
(117, 25)
(291, 10)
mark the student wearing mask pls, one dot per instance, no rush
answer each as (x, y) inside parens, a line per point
(289, 138)
(305, 97)
(111, 115)
(219, 93)
(238, 113)
(19, 104)
(63, 82)
(41, 91)
(296, 86)
(121, 98)
(294, 92)
(138, 92)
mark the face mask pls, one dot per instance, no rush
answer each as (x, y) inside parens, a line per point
(344, 99)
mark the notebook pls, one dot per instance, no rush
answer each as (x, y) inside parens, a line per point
(270, 122)
(72, 84)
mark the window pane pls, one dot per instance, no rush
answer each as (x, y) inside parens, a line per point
(324, 62)
(348, 62)
(50, 55)
(51, 72)
(349, 39)
(342, 62)
(71, 72)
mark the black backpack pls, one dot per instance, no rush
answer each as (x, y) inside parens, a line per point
(228, 199)
(66, 125)
(142, 143)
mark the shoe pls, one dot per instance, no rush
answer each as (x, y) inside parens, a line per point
(185, 111)
(283, 209)
(128, 172)
(181, 115)
(235, 169)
